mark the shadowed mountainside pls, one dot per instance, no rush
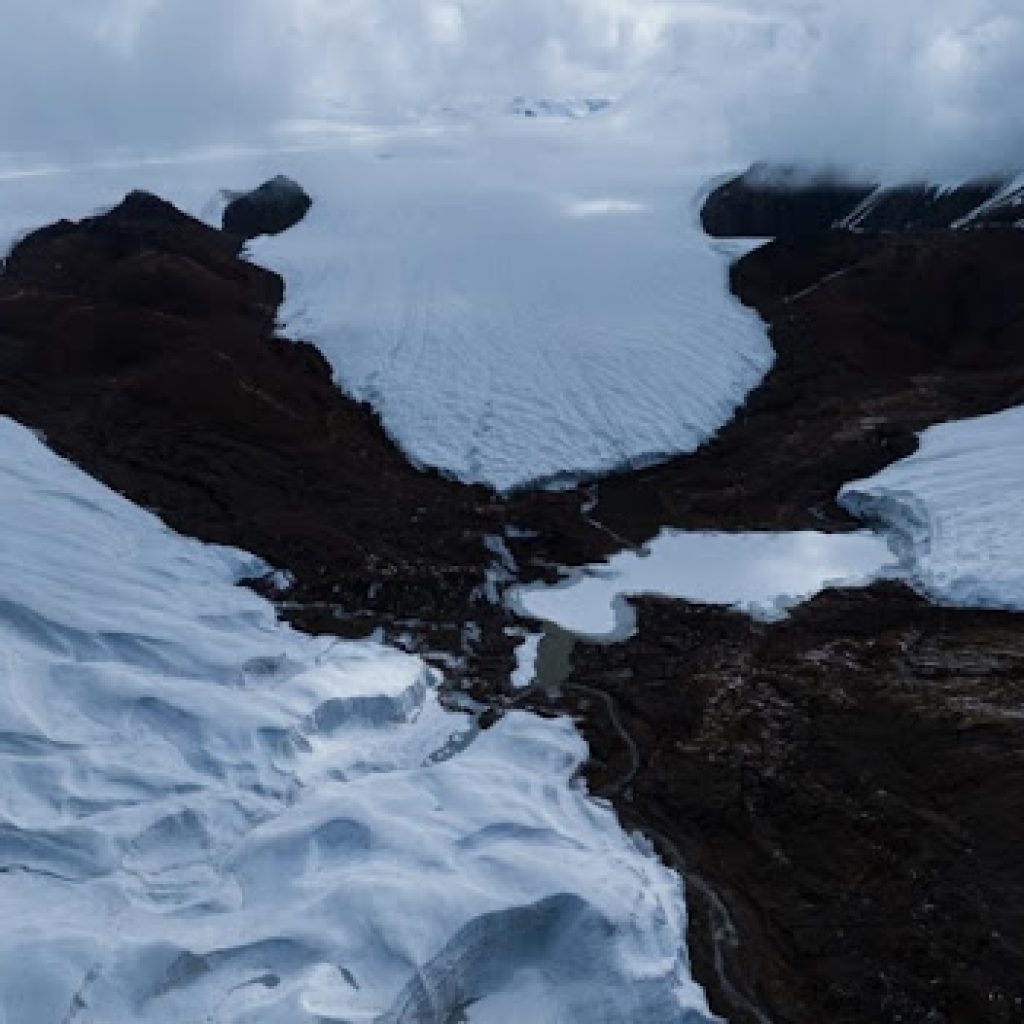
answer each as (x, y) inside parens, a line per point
(773, 202)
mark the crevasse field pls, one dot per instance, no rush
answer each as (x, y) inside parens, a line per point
(955, 510)
(207, 816)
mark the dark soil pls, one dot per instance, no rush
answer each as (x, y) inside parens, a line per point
(850, 782)
(843, 790)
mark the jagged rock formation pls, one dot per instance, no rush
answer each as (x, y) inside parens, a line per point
(770, 202)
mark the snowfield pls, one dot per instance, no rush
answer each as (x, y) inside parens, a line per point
(523, 300)
(207, 816)
(955, 510)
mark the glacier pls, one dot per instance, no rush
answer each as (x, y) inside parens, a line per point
(522, 300)
(205, 815)
(955, 510)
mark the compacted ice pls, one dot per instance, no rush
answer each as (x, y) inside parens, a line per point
(206, 816)
(955, 509)
(522, 309)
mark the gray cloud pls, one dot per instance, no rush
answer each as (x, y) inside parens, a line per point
(907, 86)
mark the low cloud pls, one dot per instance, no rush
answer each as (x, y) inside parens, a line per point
(919, 86)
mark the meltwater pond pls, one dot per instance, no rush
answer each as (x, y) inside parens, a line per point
(760, 573)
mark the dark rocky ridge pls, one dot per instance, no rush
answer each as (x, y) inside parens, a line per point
(772, 202)
(274, 207)
(144, 348)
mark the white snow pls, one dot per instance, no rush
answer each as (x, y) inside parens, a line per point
(526, 660)
(955, 509)
(521, 300)
(760, 573)
(207, 816)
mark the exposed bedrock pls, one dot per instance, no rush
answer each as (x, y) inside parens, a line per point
(274, 207)
(851, 781)
(772, 202)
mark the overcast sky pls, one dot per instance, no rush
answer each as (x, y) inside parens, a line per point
(905, 85)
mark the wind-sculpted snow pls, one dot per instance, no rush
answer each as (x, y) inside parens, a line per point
(205, 816)
(956, 509)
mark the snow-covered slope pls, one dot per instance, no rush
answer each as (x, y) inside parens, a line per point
(956, 509)
(205, 816)
(521, 301)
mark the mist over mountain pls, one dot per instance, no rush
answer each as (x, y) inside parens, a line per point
(921, 87)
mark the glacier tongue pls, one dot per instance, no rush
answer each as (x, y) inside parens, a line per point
(955, 508)
(205, 815)
(521, 302)
(524, 308)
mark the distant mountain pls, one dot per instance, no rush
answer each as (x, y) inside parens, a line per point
(773, 201)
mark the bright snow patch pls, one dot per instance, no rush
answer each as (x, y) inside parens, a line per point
(526, 660)
(520, 303)
(761, 573)
(207, 816)
(956, 509)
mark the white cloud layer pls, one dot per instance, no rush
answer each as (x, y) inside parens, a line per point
(930, 85)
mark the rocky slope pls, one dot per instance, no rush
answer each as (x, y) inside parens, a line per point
(770, 202)
(143, 347)
(844, 790)
(849, 782)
